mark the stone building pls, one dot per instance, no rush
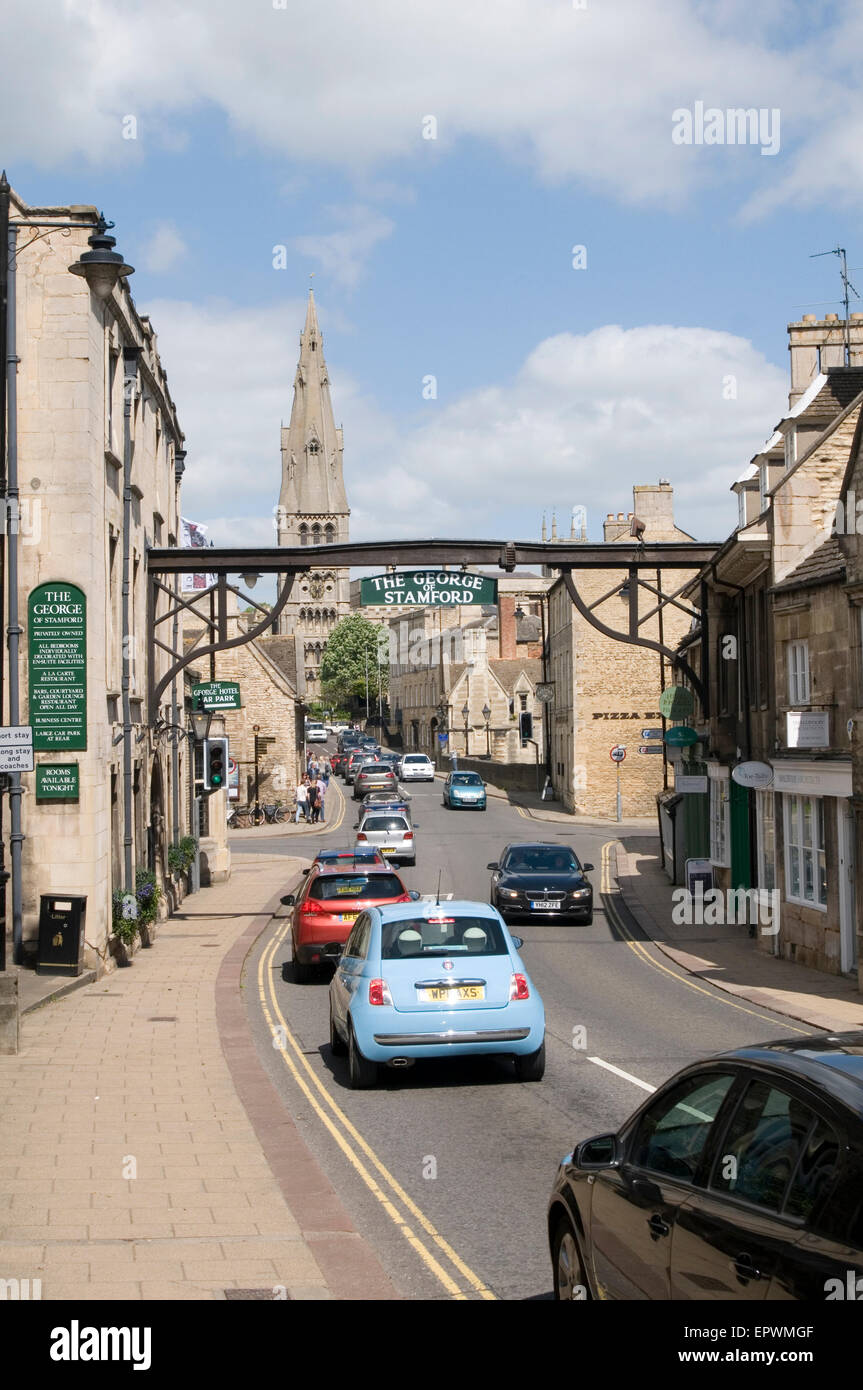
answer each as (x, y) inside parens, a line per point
(443, 662)
(100, 458)
(779, 648)
(605, 691)
(313, 507)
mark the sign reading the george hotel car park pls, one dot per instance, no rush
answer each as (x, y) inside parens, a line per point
(57, 782)
(433, 588)
(57, 646)
(217, 695)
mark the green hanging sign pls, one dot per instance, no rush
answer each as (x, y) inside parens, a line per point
(428, 588)
(57, 782)
(57, 652)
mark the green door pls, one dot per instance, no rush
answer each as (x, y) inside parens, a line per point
(741, 862)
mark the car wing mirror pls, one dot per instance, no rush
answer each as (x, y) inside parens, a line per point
(587, 868)
(288, 900)
(603, 1151)
(414, 895)
(492, 866)
(518, 942)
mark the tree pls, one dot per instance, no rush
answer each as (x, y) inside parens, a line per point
(354, 648)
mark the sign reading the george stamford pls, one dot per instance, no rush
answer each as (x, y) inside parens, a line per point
(57, 643)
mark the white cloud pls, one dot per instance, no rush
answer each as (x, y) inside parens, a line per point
(579, 94)
(343, 253)
(585, 418)
(165, 249)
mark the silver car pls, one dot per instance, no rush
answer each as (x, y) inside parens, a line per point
(389, 831)
(374, 777)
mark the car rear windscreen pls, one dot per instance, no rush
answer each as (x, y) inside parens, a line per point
(384, 823)
(342, 886)
(444, 935)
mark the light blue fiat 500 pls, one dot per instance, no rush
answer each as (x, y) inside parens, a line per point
(464, 789)
(433, 980)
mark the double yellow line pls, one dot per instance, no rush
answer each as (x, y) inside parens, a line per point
(610, 891)
(431, 1246)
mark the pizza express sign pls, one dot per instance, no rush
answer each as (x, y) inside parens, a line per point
(434, 588)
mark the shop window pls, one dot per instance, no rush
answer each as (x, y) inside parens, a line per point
(766, 838)
(805, 857)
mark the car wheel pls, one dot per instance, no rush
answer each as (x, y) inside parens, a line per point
(532, 1066)
(338, 1046)
(361, 1072)
(570, 1283)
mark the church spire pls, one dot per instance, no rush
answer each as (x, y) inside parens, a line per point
(312, 478)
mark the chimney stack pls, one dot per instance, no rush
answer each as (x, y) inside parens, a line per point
(817, 345)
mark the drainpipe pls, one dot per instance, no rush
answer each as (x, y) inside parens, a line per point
(13, 626)
(130, 379)
(4, 274)
(179, 467)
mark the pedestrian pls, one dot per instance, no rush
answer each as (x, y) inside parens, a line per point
(322, 796)
(302, 801)
(312, 794)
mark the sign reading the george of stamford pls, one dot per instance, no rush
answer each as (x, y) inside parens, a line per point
(57, 646)
(434, 588)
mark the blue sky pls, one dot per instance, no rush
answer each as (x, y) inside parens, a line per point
(453, 256)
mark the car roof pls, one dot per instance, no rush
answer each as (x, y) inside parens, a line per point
(325, 869)
(833, 1061)
(462, 907)
(536, 844)
(349, 852)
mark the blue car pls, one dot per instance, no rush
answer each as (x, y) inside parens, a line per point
(464, 789)
(433, 980)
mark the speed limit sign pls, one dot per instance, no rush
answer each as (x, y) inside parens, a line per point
(618, 753)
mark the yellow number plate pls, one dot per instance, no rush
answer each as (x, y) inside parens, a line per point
(348, 916)
(461, 994)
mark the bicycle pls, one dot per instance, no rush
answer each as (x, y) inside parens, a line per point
(238, 818)
(275, 814)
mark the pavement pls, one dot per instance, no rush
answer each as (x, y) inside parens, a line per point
(145, 1151)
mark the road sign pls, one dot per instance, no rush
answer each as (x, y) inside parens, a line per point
(651, 733)
(650, 748)
(618, 753)
(16, 748)
(681, 736)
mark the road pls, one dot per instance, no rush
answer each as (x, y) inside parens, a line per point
(447, 1167)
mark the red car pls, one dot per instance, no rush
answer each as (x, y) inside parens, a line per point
(328, 904)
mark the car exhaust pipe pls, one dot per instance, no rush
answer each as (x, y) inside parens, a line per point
(401, 1062)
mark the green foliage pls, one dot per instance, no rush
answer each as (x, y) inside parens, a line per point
(124, 916)
(148, 894)
(180, 856)
(353, 643)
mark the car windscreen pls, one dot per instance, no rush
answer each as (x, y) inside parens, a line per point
(466, 779)
(384, 823)
(344, 886)
(442, 935)
(540, 859)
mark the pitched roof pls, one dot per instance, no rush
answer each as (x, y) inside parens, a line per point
(282, 651)
(825, 564)
(507, 671)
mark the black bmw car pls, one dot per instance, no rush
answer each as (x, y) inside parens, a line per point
(741, 1178)
(541, 880)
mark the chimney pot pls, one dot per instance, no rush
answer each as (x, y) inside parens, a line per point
(809, 318)
(857, 316)
(620, 516)
(610, 516)
(831, 318)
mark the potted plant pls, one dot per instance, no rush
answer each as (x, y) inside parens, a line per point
(181, 855)
(124, 923)
(148, 895)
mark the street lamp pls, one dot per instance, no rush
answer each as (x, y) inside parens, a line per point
(250, 578)
(102, 267)
(465, 714)
(486, 714)
(201, 720)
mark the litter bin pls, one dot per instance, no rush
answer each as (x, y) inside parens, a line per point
(61, 934)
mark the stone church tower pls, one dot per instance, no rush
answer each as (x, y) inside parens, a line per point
(313, 507)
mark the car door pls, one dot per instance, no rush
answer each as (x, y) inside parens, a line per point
(634, 1207)
(734, 1238)
(349, 968)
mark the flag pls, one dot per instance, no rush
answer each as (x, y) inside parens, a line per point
(194, 537)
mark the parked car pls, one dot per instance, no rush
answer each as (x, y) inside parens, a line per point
(326, 906)
(389, 831)
(543, 880)
(374, 777)
(444, 981)
(416, 767)
(464, 789)
(740, 1179)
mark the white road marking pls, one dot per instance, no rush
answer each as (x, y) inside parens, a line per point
(627, 1076)
(432, 897)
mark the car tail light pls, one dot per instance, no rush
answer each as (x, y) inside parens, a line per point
(408, 835)
(518, 988)
(362, 836)
(312, 907)
(379, 992)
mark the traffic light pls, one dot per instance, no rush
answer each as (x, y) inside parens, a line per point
(525, 726)
(215, 764)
